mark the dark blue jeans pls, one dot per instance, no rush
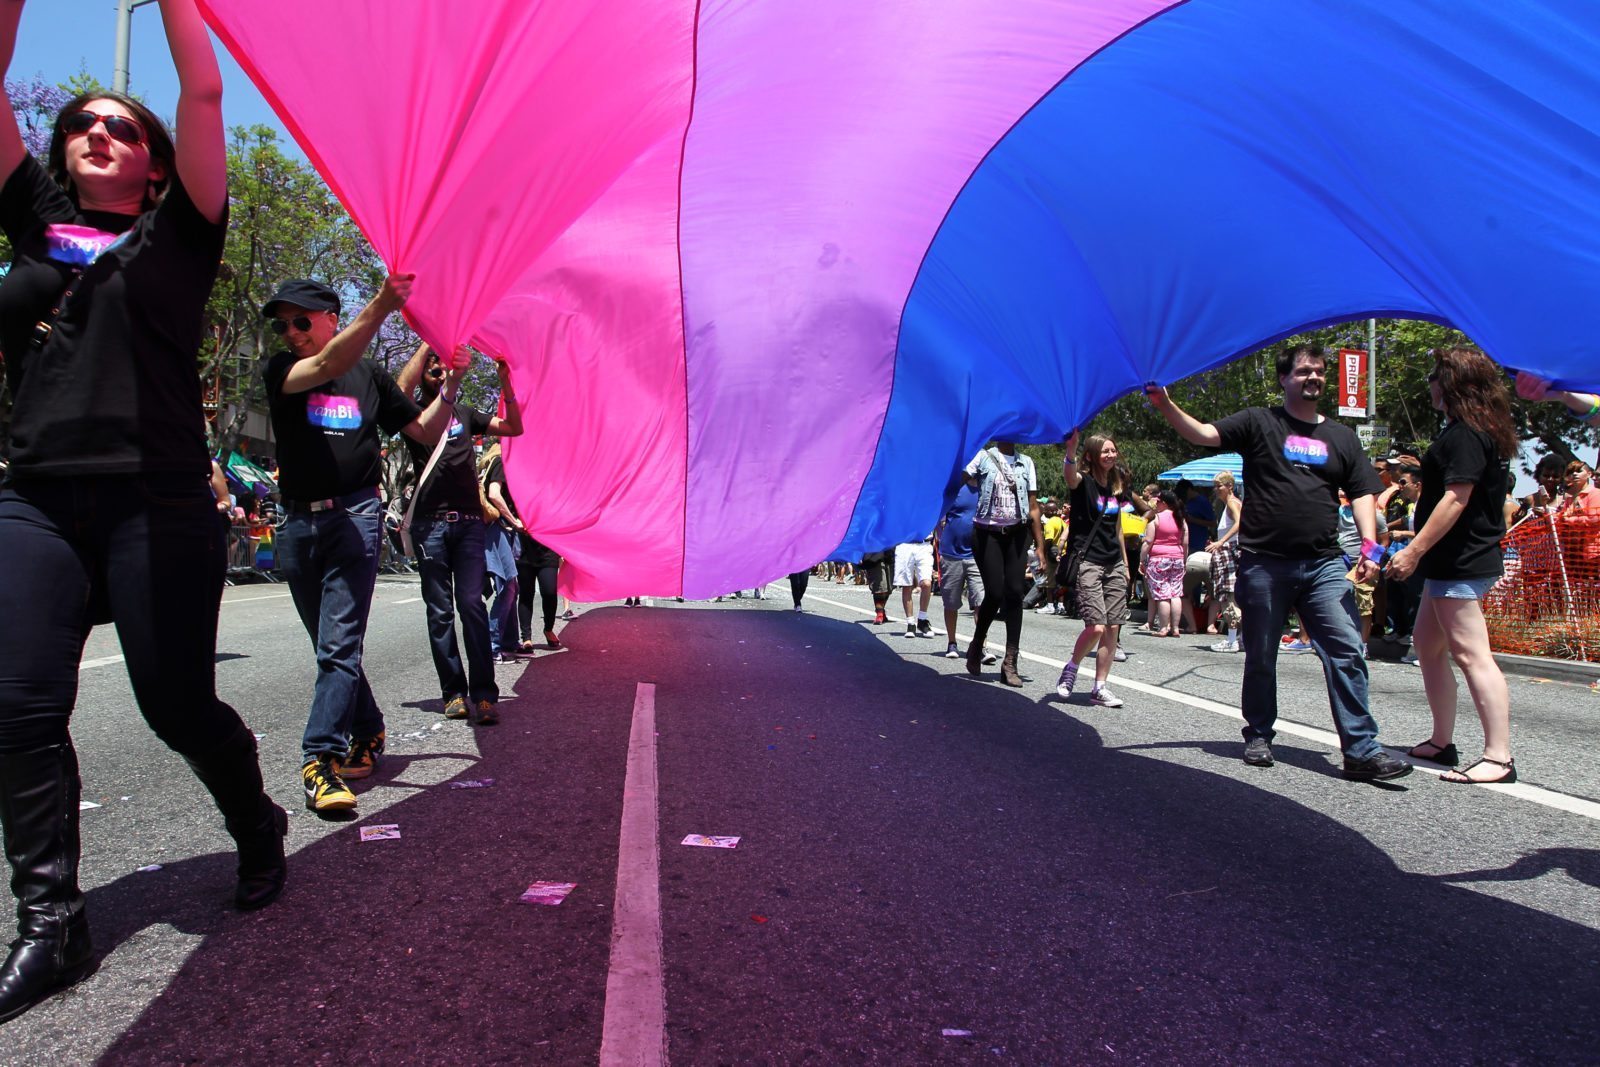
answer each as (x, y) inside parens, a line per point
(146, 552)
(450, 560)
(1268, 590)
(331, 561)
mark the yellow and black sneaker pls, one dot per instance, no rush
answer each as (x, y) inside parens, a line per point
(455, 708)
(325, 789)
(365, 755)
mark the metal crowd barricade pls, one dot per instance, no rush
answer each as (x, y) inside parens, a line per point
(250, 553)
(1548, 602)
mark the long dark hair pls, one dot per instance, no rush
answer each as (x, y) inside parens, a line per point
(1475, 392)
(158, 139)
(1170, 499)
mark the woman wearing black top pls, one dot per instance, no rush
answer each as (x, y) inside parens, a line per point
(107, 513)
(1459, 524)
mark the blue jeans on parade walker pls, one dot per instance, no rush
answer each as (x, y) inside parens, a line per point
(450, 558)
(331, 561)
(1268, 589)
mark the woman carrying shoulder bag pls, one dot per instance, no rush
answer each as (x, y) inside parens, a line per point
(1095, 567)
(1008, 512)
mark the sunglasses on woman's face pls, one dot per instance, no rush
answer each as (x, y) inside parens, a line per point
(118, 127)
(299, 322)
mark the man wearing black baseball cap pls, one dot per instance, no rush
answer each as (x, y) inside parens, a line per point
(327, 405)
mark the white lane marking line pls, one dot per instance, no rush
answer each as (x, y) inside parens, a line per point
(103, 661)
(253, 599)
(635, 1028)
(412, 600)
(1533, 794)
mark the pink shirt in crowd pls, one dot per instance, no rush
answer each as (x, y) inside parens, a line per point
(1168, 541)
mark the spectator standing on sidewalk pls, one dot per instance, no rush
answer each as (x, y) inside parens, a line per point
(1161, 560)
(327, 405)
(1225, 562)
(451, 536)
(1006, 519)
(106, 514)
(1295, 463)
(1460, 523)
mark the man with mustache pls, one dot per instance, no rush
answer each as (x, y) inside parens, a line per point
(1296, 462)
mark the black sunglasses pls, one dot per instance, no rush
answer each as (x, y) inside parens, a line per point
(118, 127)
(299, 322)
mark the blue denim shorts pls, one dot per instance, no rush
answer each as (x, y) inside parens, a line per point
(1458, 588)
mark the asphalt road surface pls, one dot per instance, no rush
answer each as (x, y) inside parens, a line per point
(930, 869)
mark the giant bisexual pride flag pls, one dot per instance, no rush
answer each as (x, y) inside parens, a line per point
(769, 271)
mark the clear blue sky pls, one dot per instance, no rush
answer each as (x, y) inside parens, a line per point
(58, 38)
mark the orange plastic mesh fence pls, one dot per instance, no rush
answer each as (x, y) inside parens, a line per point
(1548, 603)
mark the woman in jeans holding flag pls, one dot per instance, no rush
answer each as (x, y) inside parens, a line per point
(1008, 512)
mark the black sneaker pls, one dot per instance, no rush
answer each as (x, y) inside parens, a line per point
(911, 629)
(365, 755)
(1257, 753)
(924, 628)
(1378, 768)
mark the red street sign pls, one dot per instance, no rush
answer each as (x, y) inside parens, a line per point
(1352, 382)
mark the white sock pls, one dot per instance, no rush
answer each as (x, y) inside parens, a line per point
(1233, 635)
(922, 616)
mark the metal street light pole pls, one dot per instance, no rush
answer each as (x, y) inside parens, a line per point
(119, 74)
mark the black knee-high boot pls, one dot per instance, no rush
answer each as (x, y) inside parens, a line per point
(39, 793)
(232, 774)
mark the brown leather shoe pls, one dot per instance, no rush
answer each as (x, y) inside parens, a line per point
(483, 714)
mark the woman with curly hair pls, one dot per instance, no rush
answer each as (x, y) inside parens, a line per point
(1459, 524)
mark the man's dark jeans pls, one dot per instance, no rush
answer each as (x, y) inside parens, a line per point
(1268, 590)
(331, 561)
(450, 559)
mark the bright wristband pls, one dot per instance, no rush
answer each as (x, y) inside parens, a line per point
(1371, 551)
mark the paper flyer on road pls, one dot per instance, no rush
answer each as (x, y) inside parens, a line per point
(380, 833)
(548, 892)
(704, 841)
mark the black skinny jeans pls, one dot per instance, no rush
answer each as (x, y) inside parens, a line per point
(1002, 556)
(797, 585)
(146, 551)
(545, 579)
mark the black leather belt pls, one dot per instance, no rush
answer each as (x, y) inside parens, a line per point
(336, 503)
(442, 516)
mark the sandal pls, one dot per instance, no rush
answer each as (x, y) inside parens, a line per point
(1446, 756)
(1465, 778)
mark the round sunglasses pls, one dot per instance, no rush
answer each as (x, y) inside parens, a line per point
(299, 322)
(118, 127)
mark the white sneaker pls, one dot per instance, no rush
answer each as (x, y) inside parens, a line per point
(1104, 698)
(1068, 679)
(1409, 658)
(1046, 610)
(911, 629)
(1297, 648)
(1119, 656)
(1225, 646)
(990, 659)
(951, 652)
(1061, 609)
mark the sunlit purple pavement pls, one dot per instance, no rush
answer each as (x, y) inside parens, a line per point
(918, 853)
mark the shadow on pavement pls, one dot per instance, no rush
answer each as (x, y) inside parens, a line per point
(920, 853)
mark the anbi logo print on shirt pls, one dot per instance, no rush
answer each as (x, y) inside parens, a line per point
(78, 246)
(1305, 451)
(333, 414)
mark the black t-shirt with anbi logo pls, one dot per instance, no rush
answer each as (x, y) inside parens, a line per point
(1293, 472)
(115, 389)
(328, 435)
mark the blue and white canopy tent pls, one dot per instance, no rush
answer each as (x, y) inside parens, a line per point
(1204, 471)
